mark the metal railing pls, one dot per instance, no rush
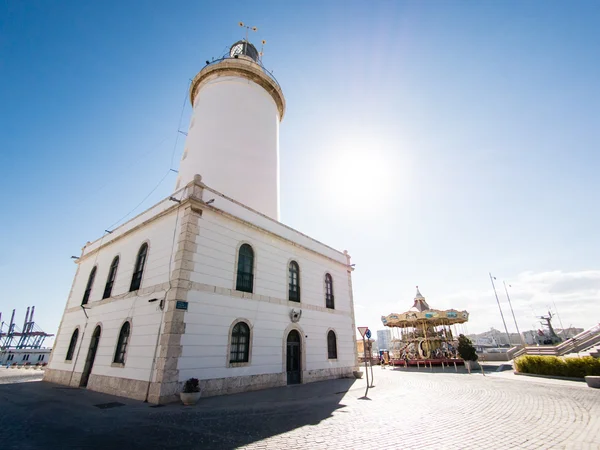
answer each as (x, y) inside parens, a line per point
(258, 63)
(580, 342)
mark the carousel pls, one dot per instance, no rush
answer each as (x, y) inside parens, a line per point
(423, 335)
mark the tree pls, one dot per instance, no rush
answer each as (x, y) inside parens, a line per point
(466, 349)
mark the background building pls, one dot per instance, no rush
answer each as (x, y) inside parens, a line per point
(384, 337)
(23, 345)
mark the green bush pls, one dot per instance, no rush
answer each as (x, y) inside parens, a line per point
(466, 349)
(562, 367)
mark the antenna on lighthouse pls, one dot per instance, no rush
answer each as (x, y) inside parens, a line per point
(262, 47)
(241, 24)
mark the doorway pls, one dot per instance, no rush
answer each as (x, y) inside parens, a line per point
(89, 361)
(293, 367)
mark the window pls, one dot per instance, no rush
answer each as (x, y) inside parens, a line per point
(294, 281)
(331, 345)
(11, 357)
(72, 344)
(329, 291)
(122, 344)
(136, 280)
(110, 281)
(88, 287)
(40, 357)
(245, 275)
(240, 343)
(25, 357)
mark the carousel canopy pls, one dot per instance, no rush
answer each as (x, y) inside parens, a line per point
(420, 314)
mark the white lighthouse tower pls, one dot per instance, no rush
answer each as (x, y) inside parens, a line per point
(233, 138)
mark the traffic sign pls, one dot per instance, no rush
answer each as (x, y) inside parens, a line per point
(363, 330)
(368, 334)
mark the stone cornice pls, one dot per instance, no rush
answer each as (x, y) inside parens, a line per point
(243, 68)
(128, 232)
(192, 196)
(257, 227)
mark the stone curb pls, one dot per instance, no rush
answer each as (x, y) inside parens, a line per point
(550, 376)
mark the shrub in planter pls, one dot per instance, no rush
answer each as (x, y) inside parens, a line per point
(555, 366)
(466, 349)
(191, 392)
(44, 364)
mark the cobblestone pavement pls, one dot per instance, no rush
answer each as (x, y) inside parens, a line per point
(405, 410)
(9, 376)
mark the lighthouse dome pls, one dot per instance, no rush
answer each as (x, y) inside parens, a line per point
(244, 48)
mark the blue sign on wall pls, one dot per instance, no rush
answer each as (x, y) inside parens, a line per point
(181, 305)
(368, 334)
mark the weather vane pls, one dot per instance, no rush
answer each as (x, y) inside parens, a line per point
(248, 28)
(241, 24)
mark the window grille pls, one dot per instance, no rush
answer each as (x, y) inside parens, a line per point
(110, 281)
(329, 292)
(294, 282)
(245, 269)
(331, 345)
(240, 343)
(140, 261)
(122, 344)
(88, 287)
(72, 345)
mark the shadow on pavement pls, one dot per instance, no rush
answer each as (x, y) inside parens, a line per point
(43, 415)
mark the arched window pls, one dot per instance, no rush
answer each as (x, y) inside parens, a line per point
(136, 280)
(122, 343)
(88, 287)
(329, 291)
(110, 281)
(331, 345)
(245, 274)
(240, 343)
(72, 345)
(294, 282)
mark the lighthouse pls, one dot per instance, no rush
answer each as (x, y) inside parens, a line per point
(233, 137)
(208, 283)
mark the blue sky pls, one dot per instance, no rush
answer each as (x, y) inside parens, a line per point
(436, 141)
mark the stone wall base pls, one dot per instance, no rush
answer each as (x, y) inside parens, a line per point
(310, 376)
(165, 392)
(234, 385)
(64, 377)
(161, 393)
(123, 387)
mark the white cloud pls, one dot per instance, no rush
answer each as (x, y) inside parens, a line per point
(575, 295)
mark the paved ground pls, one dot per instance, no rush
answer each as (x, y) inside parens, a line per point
(9, 376)
(405, 410)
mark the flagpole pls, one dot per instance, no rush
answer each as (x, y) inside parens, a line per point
(500, 308)
(559, 320)
(513, 314)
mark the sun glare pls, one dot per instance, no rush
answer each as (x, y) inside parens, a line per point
(359, 174)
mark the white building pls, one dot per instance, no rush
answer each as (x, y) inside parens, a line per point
(208, 283)
(384, 338)
(24, 356)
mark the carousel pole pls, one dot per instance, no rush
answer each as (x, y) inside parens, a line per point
(500, 308)
(425, 337)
